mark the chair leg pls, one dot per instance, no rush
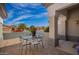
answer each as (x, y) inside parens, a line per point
(21, 49)
(42, 45)
(30, 48)
(26, 50)
(37, 45)
(34, 45)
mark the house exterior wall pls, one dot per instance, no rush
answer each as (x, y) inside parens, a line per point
(62, 26)
(14, 35)
(3, 15)
(1, 29)
(58, 6)
(52, 13)
(51, 27)
(73, 28)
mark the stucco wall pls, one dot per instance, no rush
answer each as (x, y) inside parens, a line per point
(51, 28)
(1, 29)
(73, 28)
(58, 6)
(51, 14)
(61, 26)
(14, 35)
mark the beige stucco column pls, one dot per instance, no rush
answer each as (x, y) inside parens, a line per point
(1, 29)
(3, 14)
(52, 24)
(53, 27)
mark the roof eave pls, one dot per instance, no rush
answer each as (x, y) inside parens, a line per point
(47, 4)
(3, 10)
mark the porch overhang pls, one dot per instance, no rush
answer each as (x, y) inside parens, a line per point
(3, 12)
(47, 4)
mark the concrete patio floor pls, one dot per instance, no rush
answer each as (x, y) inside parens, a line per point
(48, 49)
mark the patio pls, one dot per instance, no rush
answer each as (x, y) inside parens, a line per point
(63, 36)
(48, 49)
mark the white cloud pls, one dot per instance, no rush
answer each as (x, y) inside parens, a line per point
(35, 5)
(10, 13)
(23, 5)
(19, 22)
(20, 18)
(15, 5)
(42, 15)
(27, 16)
(20, 6)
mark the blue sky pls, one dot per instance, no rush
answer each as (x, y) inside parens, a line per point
(28, 13)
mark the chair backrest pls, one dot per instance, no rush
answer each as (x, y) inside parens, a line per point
(25, 37)
(28, 33)
(21, 38)
(39, 34)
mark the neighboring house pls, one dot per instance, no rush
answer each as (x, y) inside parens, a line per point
(7, 29)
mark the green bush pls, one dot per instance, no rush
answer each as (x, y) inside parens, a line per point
(46, 30)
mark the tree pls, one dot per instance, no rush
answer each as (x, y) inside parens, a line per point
(22, 27)
(43, 27)
(32, 28)
(13, 27)
(47, 29)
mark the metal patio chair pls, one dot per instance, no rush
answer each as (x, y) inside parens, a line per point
(39, 38)
(25, 42)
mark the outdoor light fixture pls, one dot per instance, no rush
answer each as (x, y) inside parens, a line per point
(76, 21)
